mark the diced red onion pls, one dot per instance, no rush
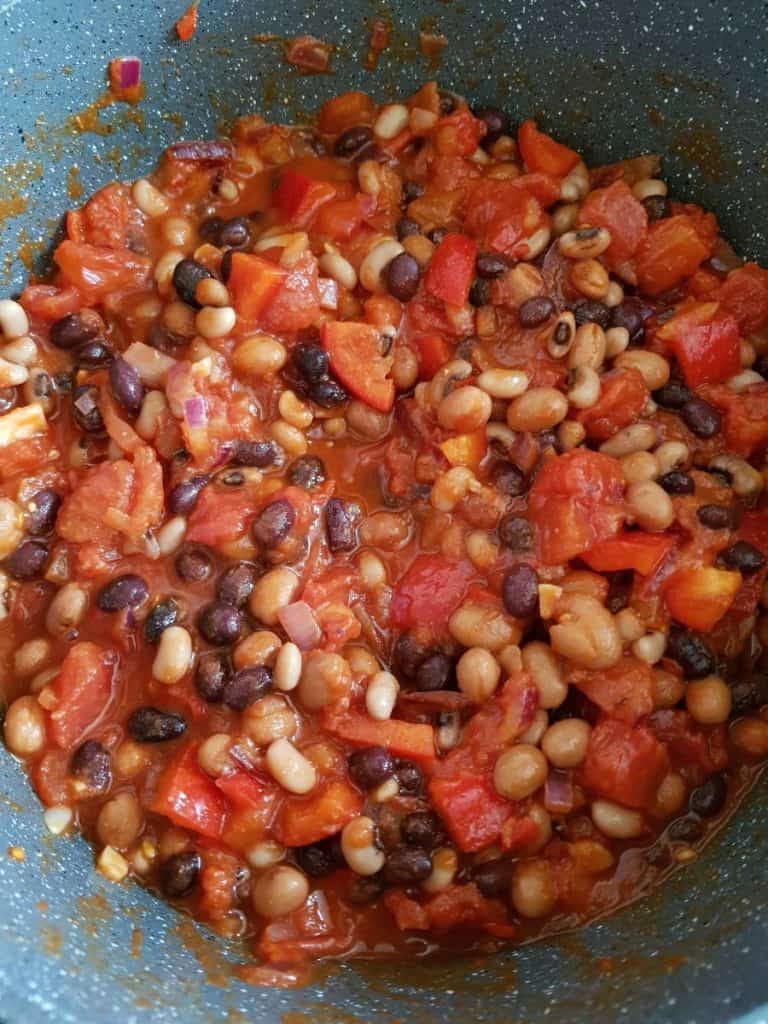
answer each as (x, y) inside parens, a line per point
(195, 413)
(128, 72)
(558, 792)
(299, 622)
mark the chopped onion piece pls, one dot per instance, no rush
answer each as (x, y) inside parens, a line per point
(558, 792)
(195, 412)
(299, 622)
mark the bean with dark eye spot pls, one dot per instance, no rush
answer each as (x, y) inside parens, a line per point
(85, 409)
(42, 510)
(409, 776)
(187, 275)
(690, 652)
(677, 482)
(407, 865)
(183, 496)
(701, 418)
(260, 454)
(371, 766)
(193, 564)
(91, 765)
(236, 584)
(743, 557)
(151, 725)
(126, 591)
(307, 471)
(246, 686)
(434, 673)
(179, 874)
(536, 311)
(492, 877)
(220, 623)
(8, 399)
(708, 799)
(93, 355)
(273, 524)
(421, 828)
(406, 227)
(673, 395)
(520, 591)
(125, 384)
(508, 479)
(591, 311)
(353, 139)
(515, 533)
(402, 277)
(715, 517)
(74, 329)
(310, 361)
(496, 123)
(327, 393)
(211, 676)
(339, 528)
(412, 190)
(160, 617)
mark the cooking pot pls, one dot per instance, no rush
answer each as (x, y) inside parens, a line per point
(612, 79)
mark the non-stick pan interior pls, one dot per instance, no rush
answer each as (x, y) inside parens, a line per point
(613, 79)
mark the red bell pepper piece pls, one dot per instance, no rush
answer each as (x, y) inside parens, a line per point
(471, 809)
(705, 341)
(245, 791)
(83, 688)
(429, 591)
(187, 23)
(540, 152)
(253, 284)
(189, 797)
(355, 355)
(299, 197)
(452, 269)
(405, 739)
(341, 218)
(624, 763)
(433, 352)
(700, 597)
(643, 552)
(304, 820)
(672, 250)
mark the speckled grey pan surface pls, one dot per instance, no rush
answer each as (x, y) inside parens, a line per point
(614, 79)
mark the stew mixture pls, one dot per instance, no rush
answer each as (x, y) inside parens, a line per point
(383, 534)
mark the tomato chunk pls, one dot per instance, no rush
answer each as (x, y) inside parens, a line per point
(643, 552)
(541, 153)
(705, 341)
(700, 597)
(744, 294)
(189, 797)
(616, 209)
(406, 739)
(305, 820)
(298, 197)
(253, 283)
(623, 396)
(623, 691)
(354, 350)
(297, 302)
(466, 449)
(472, 810)
(429, 591)
(745, 416)
(624, 763)
(83, 688)
(97, 271)
(433, 352)
(452, 269)
(672, 250)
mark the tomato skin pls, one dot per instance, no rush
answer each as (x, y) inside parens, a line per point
(298, 197)
(623, 396)
(345, 111)
(642, 552)
(471, 809)
(97, 271)
(576, 501)
(744, 293)
(452, 269)
(623, 691)
(220, 517)
(429, 591)
(189, 797)
(624, 763)
(84, 689)
(253, 283)
(616, 209)
(672, 250)
(109, 218)
(355, 357)
(699, 598)
(705, 341)
(540, 152)
(304, 820)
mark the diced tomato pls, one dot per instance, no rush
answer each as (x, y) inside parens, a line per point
(458, 906)
(672, 250)
(471, 809)
(305, 820)
(299, 197)
(700, 597)
(466, 449)
(429, 591)
(341, 218)
(744, 293)
(245, 791)
(345, 111)
(517, 833)
(452, 269)
(623, 396)
(253, 284)
(97, 271)
(405, 739)
(220, 516)
(51, 778)
(624, 763)
(189, 797)
(576, 501)
(297, 303)
(433, 352)
(110, 219)
(745, 416)
(458, 133)
(540, 152)
(643, 552)
(686, 742)
(83, 689)
(186, 26)
(705, 341)
(544, 188)
(355, 355)
(624, 691)
(616, 209)
(47, 302)
(504, 213)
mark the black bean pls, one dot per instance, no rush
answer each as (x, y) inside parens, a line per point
(236, 585)
(536, 311)
(520, 591)
(701, 418)
(515, 533)
(715, 517)
(685, 830)
(211, 676)
(353, 139)
(490, 265)
(42, 509)
(406, 227)
(371, 766)
(126, 386)
(749, 694)
(761, 365)
(161, 616)
(743, 557)
(8, 399)
(163, 340)
(407, 865)
(93, 355)
(409, 776)
(421, 828)
(225, 267)
(307, 471)
(629, 314)
(193, 564)
(187, 275)
(179, 873)
(657, 208)
(480, 292)
(127, 591)
(339, 528)
(73, 330)
(508, 479)
(448, 102)
(273, 524)
(436, 235)
(434, 673)
(408, 654)
(85, 409)
(690, 652)
(182, 498)
(311, 362)
(492, 877)
(366, 890)
(673, 395)
(151, 725)
(619, 590)
(496, 123)
(412, 190)
(591, 311)
(233, 234)
(246, 686)
(210, 228)
(327, 392)
(708, 799)
(677, 482)
(402, 277)
(91, 765)
(220, 623)
(319, 858)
